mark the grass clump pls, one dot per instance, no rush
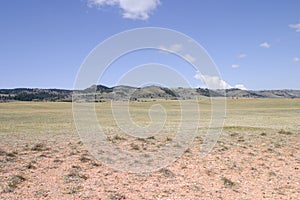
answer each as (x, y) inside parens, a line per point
(2, 152)
(30, 166)
(167, 172)
(13, 182)
(84, 158)
(272, 173)
(116, 196)
(11, 154)
(135, 146)
(72, 189)
(39, 147)
(115, 138)
(284, 132)
(74, 175)
(227, 182)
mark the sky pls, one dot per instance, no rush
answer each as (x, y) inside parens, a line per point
(254, 44)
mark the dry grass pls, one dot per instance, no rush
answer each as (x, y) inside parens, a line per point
(41, 155)
(13, 182)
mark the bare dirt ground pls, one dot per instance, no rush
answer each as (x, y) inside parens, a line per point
(243, 165)
(246, 163)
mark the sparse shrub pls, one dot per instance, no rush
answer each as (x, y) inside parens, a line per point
(56, 160)
(188, 150)
(41, 193)
(209, 172)
(167, 172)
(13, 182)
(84, 158)
(177, 145)
(135, 146)
(75, 175)
(272, 173)
(11, 154)
(72, 189)
(116, 196)
(234, 134)
(39, 147)
(94, 164)
(227, 182)
(283, 132)
(253, 168)
(30, 166)
(141, 139)
(115, 138)
(2, 152)
(183, 166)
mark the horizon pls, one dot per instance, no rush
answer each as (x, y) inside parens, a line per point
(50, 88)
(254, 45)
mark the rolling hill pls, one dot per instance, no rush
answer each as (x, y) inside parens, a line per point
(118, 93)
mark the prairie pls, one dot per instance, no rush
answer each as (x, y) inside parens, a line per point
(256, 157)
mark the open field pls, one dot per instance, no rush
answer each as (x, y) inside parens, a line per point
(256, 157)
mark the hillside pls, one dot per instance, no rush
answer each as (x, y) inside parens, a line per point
(118, 93)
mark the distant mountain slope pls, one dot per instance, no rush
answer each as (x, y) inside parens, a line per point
(103, 93)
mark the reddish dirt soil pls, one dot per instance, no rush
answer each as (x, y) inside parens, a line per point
(243, 165)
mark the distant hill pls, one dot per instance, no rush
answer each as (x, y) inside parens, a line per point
(104, 93)
(30, 94)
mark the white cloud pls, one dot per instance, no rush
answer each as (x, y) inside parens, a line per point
(235, 66)
(296, 59)
(240, 86)
(242, 55)
(295, 26)
(265, 45)
(190, 58)
(175, 48)
(132, 9)
(212, 82)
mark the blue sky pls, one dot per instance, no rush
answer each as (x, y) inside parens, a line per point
(255, 44)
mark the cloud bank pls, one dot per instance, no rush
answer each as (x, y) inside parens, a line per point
(132, 9)
(212, 82)
(240, 86)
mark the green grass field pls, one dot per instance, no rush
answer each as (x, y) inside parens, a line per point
(49, 117)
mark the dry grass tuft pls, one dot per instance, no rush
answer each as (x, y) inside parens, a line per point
(283, 132)
(167, 172)
(116, 196)
(13, 182)
(39, 147)
(227, 182)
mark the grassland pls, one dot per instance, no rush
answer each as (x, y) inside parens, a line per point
(257, 156)
(57, 117)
